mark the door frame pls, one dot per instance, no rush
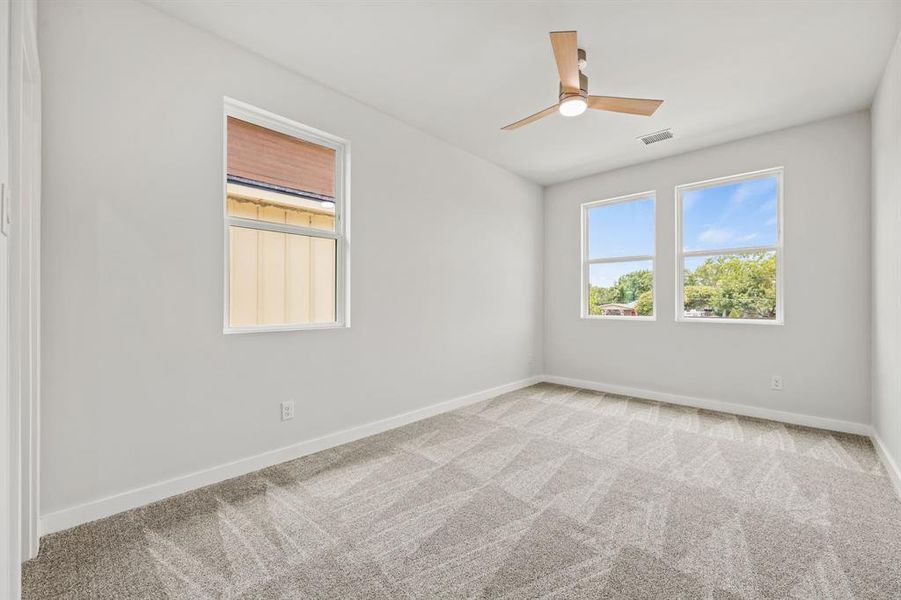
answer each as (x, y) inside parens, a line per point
(9, 543)
(27, 199)
(20, 284)
(25, 252)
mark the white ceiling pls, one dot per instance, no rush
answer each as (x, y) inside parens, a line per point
(462, 70)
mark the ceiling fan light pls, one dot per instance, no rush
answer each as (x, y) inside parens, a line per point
(573, 106)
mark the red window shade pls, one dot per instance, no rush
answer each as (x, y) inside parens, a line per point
(274, 158)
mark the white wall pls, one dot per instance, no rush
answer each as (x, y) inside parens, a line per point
(821, 351)
(139, 382)
(886, 253)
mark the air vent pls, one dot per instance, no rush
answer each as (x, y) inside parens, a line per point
(657, 136)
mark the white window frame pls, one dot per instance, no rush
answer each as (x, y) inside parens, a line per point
(587, 262)
(681, 255)
(341, 234)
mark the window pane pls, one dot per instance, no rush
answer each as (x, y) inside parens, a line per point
(733, 215)
(275, 177)
(733, 286)
(621, 289)
(263, 205)
(280, 279)
(623, 229)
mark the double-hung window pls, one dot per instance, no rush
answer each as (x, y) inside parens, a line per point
(618, 258)
(286, 223)
(729, 249)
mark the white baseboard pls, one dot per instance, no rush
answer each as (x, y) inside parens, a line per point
(891, 467)
(717, 405)
(105, 507)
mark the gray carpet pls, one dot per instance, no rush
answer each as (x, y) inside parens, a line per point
(545, 492)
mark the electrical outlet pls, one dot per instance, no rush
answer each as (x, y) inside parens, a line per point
(287, 410)
(776, 383)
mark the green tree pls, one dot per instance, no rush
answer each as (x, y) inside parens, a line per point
(645, 304)
(734, 286)
(634, 284)
(601, 295)
(627, 289)
(698, 297)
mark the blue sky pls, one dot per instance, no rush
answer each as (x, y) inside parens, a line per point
(625, 229)
(735, 215)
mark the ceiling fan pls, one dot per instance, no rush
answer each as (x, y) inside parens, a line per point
(574, 98)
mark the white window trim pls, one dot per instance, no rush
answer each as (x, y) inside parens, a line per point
(586, 262)
(251, 114)
(777, 247)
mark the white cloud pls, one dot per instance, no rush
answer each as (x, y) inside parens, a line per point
(715, 235)
(768, 206)
(721, 236)
(740, 195)
(750, 189)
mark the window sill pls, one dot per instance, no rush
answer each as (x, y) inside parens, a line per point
(730, 321)
(616, 318)
(275, 328)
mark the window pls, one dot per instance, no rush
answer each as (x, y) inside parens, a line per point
(618, 258)
(729, 249)
(286, 235)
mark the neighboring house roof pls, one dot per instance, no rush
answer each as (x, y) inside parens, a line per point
(278, 161)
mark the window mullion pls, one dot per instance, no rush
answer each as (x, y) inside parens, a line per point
(281, 228)
(618, 259)
(722, 251)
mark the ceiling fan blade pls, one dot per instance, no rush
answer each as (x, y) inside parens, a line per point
(633, 106)
(529, 119)
(566, 53)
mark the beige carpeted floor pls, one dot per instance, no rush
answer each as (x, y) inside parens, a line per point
(545, 492)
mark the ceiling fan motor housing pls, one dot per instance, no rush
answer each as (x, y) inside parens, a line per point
(583, 87)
